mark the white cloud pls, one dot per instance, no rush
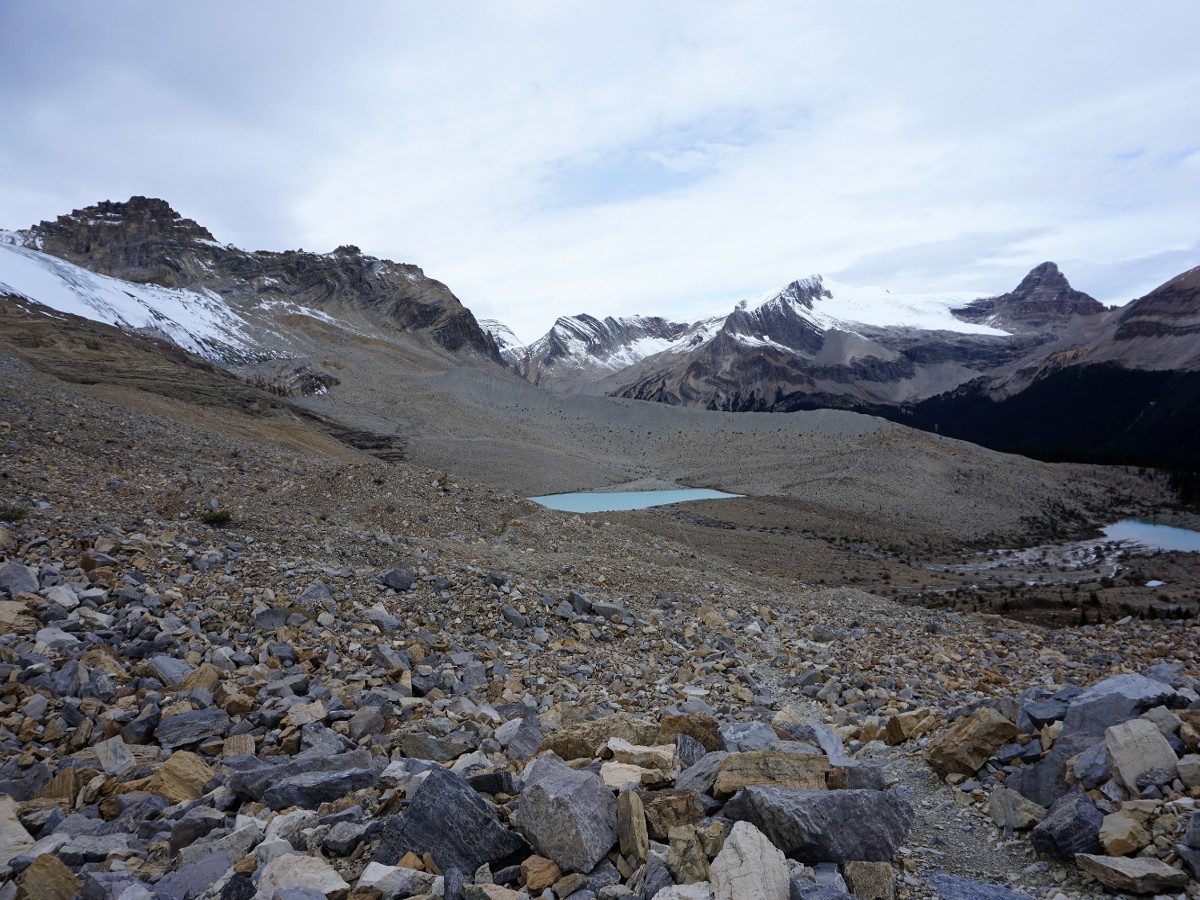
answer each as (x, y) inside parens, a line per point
(545, 158)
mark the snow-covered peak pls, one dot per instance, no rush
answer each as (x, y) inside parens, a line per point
(832, 307)
(502, 335)
(199, 321)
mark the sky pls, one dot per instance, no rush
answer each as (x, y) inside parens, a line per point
(552, 157)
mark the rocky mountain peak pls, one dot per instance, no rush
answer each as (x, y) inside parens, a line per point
(805, 291)
(1042, 300)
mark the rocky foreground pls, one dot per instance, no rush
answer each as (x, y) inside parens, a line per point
(228, 672)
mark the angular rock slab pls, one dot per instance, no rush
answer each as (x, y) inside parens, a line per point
(191, 727)
(310, 789)
(749, 867)
(1138, 875)
(450, 822)
(826, 826)
(568, 816)
(967, 744)
(790, 770)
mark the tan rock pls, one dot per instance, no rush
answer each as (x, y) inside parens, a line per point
(774, 767)
(1135, 747)
(1122, 834)
(410, 860)
(181, 778)
(701, 726)
(686, 859)
(238, 745)
(585, 740)
(870, 880)
(908, 725)
(302, 714)
(967, 744)
(48, 878)
(1189, 729)
(15, 618)
(206, 676)
(1140, 875)
(661, 756)
(568, 884)
(666, 809)
(632, 833)
(616, 775)
(539, 873)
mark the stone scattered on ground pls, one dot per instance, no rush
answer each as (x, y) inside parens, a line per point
(376, 681)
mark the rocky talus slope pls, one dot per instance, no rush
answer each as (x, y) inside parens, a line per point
(231, 671)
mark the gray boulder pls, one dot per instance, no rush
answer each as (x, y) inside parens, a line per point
(308, 790)
(1046, 780)
(399, 579)
(1115, 700)
(568, 816)
(450, 822)
(826, 826)
(1071, 826)
(18, 578)
(703, 775)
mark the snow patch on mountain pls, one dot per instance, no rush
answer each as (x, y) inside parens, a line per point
(199, 321)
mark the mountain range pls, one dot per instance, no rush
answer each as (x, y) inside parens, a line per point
(1043, 369)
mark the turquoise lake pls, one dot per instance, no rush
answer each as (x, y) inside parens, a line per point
(1158, 537)
(616, 501)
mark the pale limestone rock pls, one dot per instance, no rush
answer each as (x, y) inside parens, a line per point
(749, 867)
(294, 871)
(1133, 748)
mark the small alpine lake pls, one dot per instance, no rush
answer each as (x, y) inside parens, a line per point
(619, 501)
(1156, 537)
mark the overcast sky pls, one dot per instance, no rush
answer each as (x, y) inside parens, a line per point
(550, 157)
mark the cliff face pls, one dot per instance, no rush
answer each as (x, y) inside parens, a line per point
(144, 240)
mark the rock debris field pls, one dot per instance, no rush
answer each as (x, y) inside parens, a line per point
(229, 671)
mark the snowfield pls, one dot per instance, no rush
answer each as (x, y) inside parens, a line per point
(199, 321)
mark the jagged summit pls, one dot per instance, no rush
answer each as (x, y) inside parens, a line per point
(1044, 296)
